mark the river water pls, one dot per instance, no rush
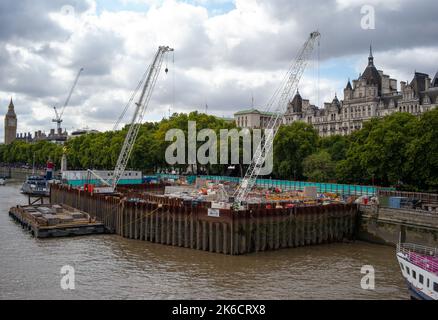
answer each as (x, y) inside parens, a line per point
(110, 267)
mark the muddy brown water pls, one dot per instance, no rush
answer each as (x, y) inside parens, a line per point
(110, 267)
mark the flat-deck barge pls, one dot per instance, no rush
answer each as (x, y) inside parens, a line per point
(45, 221)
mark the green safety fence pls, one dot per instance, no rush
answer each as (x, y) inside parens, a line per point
(345, 189)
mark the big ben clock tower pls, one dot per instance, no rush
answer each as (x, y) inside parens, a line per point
(10, 124)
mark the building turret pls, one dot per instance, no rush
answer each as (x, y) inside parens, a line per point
(297, 103)
(371, 75)
(348, 91)
(435, 81)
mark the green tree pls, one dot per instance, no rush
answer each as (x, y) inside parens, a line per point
(379, 151)
(319, 167)
(292, 145)
(337, 146)
(421, 166)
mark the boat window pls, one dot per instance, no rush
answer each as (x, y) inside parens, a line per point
(401, 265)
(428, 283)
(421, 278)
(435, 287)
(414, 274)
(407, 270)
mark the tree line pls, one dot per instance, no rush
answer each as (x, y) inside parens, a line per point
(398, 150)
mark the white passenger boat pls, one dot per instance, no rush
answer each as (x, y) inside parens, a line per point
(36, 186)
(419, 265)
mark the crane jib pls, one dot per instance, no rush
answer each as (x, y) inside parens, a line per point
(141, 106)
(289, 86)
(59, 115)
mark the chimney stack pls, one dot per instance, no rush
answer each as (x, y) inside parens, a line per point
(402, 86)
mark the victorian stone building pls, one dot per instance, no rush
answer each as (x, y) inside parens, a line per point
(10, 124)
(373, 94)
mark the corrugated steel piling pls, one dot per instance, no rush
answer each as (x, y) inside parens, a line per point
(174, 222)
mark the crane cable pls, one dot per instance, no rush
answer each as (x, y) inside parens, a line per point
(173, 82)
(134, 94)
(319, 73)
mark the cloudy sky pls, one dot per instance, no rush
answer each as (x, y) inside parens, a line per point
(226, 52)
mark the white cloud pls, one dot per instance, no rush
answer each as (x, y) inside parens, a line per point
(221, 60)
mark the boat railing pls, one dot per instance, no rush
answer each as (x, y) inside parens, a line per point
(424, 250)
(421, 256)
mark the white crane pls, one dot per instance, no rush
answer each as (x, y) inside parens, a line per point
(281, 99)
(150, 79)
(58, 115)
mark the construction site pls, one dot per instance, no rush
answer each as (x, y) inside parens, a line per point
(229, 216)
(146, 213)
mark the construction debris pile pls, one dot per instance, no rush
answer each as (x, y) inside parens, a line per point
(223, 191)
(203, 190)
